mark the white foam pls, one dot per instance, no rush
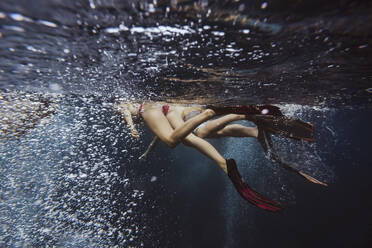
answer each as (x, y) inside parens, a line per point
(14, 28)
(264, 5)
(165, 30)
(48, 23)
(19, 17)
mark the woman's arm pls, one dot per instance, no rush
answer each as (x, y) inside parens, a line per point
(128, 119)
(149, 149)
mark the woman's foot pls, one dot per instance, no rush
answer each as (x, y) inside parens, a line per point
(247, 193)
(210, 112)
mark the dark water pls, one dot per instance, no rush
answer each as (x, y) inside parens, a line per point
(293, 51)
(69, 172)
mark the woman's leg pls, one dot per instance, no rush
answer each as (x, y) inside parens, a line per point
(161, 127)
(207, 149)
(220, 128)
(235, 130)
(181, 131)
(229, 167)
(200, 144)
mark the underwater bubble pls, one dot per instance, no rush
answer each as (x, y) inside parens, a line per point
(151, 8)
(153, 178)
(47, 23)
(55, 87)
(241, 7)
(91, 4)
(19, 17)
(112, 30)
(122, 27)
(14, 28)
(217, 33)
(31, 48)
(363, 46)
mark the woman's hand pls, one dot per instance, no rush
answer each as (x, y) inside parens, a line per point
(135, 133)
(126, 114)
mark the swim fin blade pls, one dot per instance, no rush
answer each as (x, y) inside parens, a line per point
(311, 179)
(267, 145)
(247, 193)
(286, 127)
(247, 110)
(271, 118)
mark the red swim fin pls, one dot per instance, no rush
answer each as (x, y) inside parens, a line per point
(247, 193)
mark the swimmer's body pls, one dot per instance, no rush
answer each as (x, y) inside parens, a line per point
(169, 122)
(173, 126)
(175, 123)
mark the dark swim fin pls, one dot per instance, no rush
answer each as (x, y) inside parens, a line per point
(271, 118)
(247, 193)
(285, 126)
(247, 110)
(267, 144)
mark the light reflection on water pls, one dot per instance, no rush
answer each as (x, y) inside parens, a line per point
(168, 50)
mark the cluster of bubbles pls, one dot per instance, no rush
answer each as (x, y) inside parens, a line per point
(63, 181)
(306, 156)
(22, 111)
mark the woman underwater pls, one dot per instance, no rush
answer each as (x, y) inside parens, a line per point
(174, 123)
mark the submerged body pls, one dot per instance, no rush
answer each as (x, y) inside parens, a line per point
(174, 123)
